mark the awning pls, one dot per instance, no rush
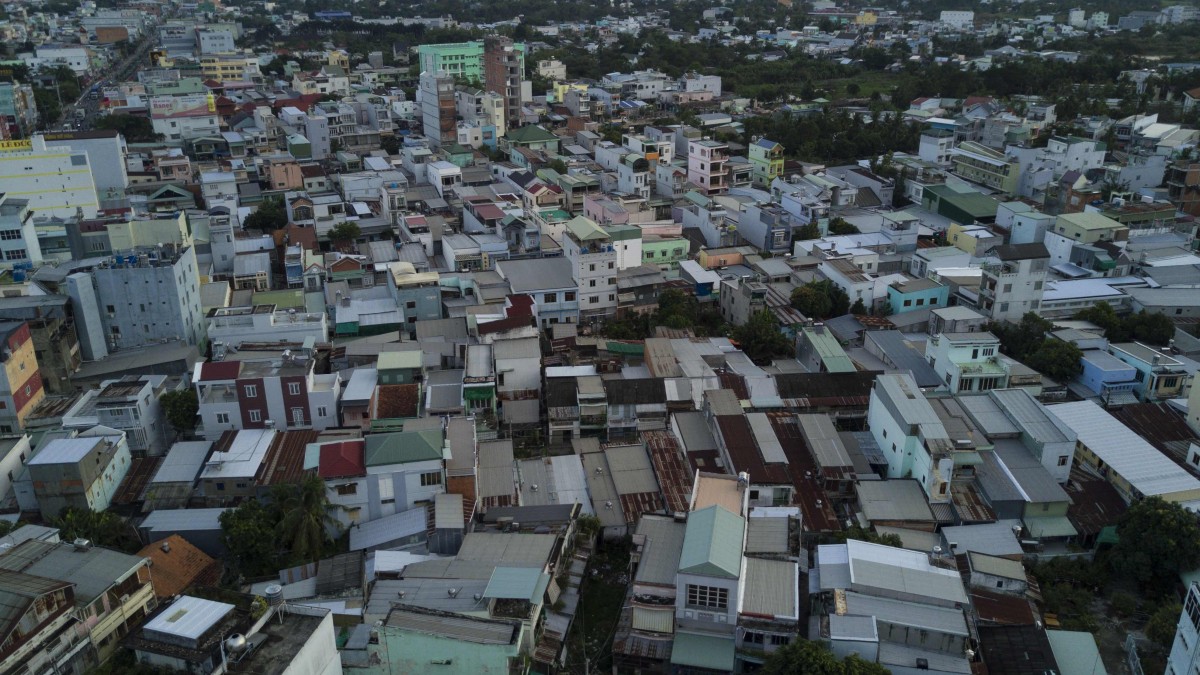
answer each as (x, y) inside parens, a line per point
(711, 652)
(1108, 535)
(1050, 526)
(478, 393)
(654, 620)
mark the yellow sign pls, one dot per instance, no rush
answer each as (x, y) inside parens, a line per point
(15, 146)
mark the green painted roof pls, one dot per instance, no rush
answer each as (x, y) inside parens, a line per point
(402, 447)
(712, 543)
(284, 299)
(711, 652)
(531, 133)
(623, 232)
(585, 229)
(633, 348)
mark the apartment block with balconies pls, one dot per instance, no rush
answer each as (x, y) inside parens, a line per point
(707, 168)
(1012, 282)
(968, 362)
(593, 259)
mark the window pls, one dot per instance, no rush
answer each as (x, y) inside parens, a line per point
(989, 351)
(592, 268)
(10, 235)
(933, 301)
(251, 390)
(1192, 609)
(649, 255)
(348, 489)
(920, 302)
(16, 254)
(908, 303)
(1007, 288)
(110, 309)
(431, 478)
(220, 486)
(1062, 461)
(1004, 307)
(298, 416)
(592, 283)
(753, 638)
(294, 388)
(754, 493)
(255, 415)
(321, 411)
(551, 297)
(594, 299)
(610, 265)
(222, 418)
(707, 596)
(780, 640)
(569, 296)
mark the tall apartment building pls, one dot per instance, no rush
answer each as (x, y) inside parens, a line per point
(766, 160)
(706, 166)
(466, 59)
(1014, 285)
(980, 164)
(55, 181)
(18, 111)
(593, 266)
(149, 297)
(503, 71)
(18, 237)
(438, 110)
(21, 387)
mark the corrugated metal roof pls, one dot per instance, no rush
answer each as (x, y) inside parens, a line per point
(764, 435)
(898, 570)
(514, 583)
(891, 500)
(913, 614)
(1031, 416)
(855, 628)
(664, 545)
(996, 566)
(478, 631)
(1126, 453)
(823, 441)
(183, 462)
(183, 520)
(989, 538)
(766, 535)
(771, 588)
(986, 412)
(387, 529)
(712, 543)
(631, 470)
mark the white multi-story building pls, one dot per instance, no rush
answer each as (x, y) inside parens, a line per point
(1185, 652)
(55, 181)
(18, 237)
(1014, 285)
(593, 265)
(967, 362)
(958, 20)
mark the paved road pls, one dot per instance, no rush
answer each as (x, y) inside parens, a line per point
(119, 72)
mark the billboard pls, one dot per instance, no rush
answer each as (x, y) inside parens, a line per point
(195, 105)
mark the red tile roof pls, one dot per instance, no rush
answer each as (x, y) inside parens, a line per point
(342, 459)
(397, 401)
(220, 370)
(181, 566)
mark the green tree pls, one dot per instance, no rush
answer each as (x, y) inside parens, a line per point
(304, 518)
(861, 534)
(1157, 540)
(808, 232)
(822, 298)
(1022, 339)
(249, 535)
(346, 231)
(270, 215)
(812, 302)
(839, 226)
(1162, 625)
(390, 144)
(181, 408)
(1056, 359)
(858, 307)
(1153, 328)
(134, 129)
(761, 339)
(804, 657)
(102, 528)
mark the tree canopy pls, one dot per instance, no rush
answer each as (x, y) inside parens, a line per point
(820, 300)
(134, 129)
(102, 528)
(761, 339)
(181, 408)
(345, 232)
(270, 215)
(1153, 328)
(804, 657)
(291, 528)
(1027, 342)
(1157, 540)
